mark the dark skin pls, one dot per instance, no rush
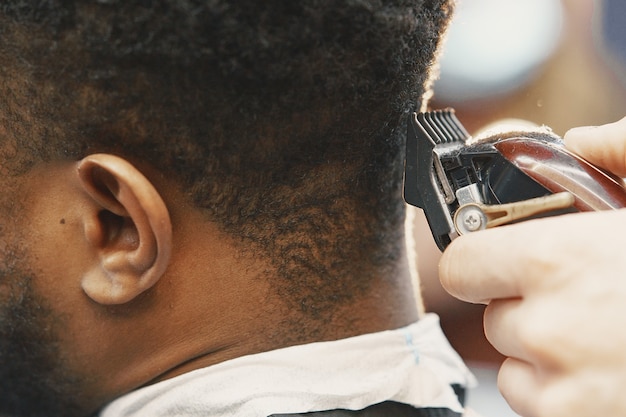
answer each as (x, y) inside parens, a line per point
(146, 288)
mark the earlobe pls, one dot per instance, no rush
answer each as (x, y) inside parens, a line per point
(130, 230)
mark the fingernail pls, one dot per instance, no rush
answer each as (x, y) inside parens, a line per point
(577, 135)
(580, 130)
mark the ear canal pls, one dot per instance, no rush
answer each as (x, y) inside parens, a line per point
(131, 231)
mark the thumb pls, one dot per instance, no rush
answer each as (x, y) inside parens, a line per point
(604, 146)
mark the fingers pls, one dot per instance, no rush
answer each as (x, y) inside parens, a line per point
(604, 146)
(530, 257)
(518, 384)
(534, 393)
(502, 262)
(527, 330)
(501, 321)
(465, 267)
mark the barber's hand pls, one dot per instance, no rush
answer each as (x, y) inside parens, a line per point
(556, 295)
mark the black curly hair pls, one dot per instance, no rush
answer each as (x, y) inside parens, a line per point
(282, 120)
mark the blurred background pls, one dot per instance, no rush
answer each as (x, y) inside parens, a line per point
(559, 63)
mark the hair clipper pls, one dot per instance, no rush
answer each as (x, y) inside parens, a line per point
(465, 185)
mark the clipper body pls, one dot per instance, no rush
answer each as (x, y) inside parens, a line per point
(465, 186)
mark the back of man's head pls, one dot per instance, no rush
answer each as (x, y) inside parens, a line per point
(282, 121)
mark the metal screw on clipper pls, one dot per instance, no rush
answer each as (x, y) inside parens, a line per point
(472, 221)
(470, 218)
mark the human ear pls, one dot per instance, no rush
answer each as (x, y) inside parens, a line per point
(129, 230)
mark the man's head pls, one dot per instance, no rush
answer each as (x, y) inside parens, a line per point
(169, 156)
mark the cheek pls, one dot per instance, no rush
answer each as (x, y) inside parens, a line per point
(59, 257)
(53, 233)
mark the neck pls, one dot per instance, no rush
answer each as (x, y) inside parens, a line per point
(388, 304)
